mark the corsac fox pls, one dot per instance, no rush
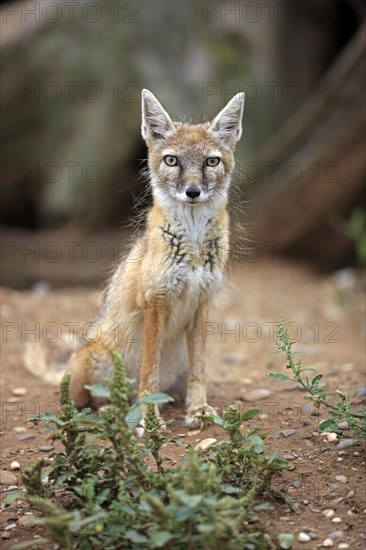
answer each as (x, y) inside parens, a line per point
(164, 289)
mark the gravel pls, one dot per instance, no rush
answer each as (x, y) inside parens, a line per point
(288, 433)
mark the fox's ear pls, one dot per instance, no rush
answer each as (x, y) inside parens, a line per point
(226, 126)
(155, 120)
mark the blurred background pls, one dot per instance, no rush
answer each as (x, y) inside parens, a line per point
(72, 152)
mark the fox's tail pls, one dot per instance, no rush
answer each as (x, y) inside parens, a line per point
(47, 361)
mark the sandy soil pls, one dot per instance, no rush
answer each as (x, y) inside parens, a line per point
(327, 317)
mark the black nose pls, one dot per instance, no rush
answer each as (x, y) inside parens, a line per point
(193, 192)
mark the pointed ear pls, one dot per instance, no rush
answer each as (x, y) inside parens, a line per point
(156, 122)
(226, 126)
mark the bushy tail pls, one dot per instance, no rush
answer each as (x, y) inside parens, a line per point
(47, 361)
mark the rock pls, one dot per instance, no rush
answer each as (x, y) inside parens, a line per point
(297, 484)
(343, 545)
(19, 429)
(343, 425)
(337, 520)
(25, 437)
(205, 444)
(289, 457)
(255, 395)
(345, 443)
(10, 526)
(316, 510)
(15, 465)
(7, 478)
(303, 537)
(193, 432)
(328, 513)
(332, 437)
(288, 433)
(350, 494)
(46, 448)
(342, 479)
(19, 392)
(327, 543)
(307, 422)
(324, 449)
(5, 535)
(361, 392)
(336, 534)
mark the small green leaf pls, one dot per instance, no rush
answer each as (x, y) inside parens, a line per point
(160, 538)
(136, 537)
(316, 379)
(98, 390)
(133, 417)
(156, 398)
(248, 415)
(278, 376)
(328, 426)
(12, 497)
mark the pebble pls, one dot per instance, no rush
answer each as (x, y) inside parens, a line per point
(343, 545)
(328, 513)
(342, 479)
(289, 457)
(324, 449)
(7, 478)
(46, 448)
(327, 543)
(205, 444)
(15, 465)
(336, 534)
(25, 437)
(337, 520)
(307, 422)
(19, 392)
(303, 537)
(10, 527)
(19, 429)
(193, 432)
(255, 395)
(332, 437)
(361, 392)
(343, 425)
(288, 432)
(345, 443)
(297, 484)
(316, 510)
(5, 535)
(350, 494)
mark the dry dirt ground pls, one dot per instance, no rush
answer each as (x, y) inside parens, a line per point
(326, 313)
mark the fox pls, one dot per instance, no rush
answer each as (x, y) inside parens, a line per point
(166, 287)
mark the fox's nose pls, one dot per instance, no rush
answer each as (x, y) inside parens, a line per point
(193, 192)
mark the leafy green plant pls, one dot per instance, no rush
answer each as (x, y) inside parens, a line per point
(107, 489)
(338, 407)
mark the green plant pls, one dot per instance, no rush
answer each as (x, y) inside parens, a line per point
(338, 407)
(107, 489)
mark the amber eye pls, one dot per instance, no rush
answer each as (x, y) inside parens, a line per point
(212, 161)
(170, 160)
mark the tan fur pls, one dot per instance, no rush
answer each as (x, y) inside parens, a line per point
(164, 291)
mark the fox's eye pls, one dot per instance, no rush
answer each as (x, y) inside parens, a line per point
(170, 160)
(212, 161)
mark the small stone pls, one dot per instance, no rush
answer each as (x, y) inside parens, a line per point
(342, 479)
(7, 478)
(303, 537)
(337, 520)
(336, 534)
(305, 502)
(19, 392)
(297, 484)
(316, 510)
(25, 437)
(288, 433)
(332, 437)
(15, 465)
(255, 395)
(5, 535)
(350, 494)
(327, 543)
(345, 443)
(10, 526)
(193, 432)
(324, 449)
(289, 457)
(46, 448)
(343, 425)
(328, 513)
(307, 422)
(19, 429)
(361, 392)
(343, 545)
(205, 444)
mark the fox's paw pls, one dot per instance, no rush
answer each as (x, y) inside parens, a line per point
(192, 418)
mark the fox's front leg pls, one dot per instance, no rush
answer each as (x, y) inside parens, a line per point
(196, 391)
(155, 317)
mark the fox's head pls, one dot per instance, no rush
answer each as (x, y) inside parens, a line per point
(191, 164)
